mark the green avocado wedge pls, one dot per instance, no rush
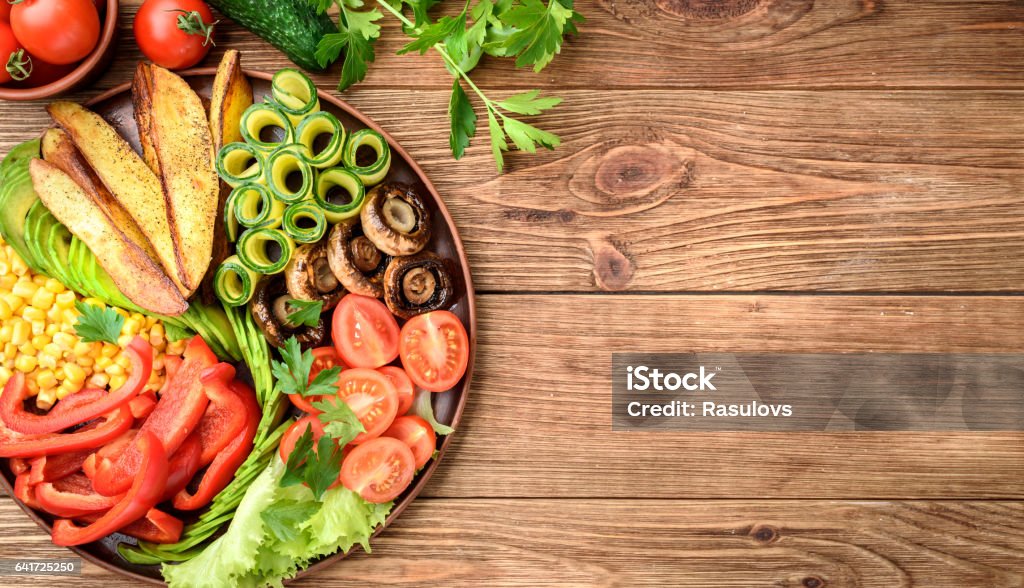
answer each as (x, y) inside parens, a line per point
(17, 197)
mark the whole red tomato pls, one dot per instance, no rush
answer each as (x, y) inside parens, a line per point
(56, 31)
(175, 34)
(8, 47)
(5, 11)
(44, 73)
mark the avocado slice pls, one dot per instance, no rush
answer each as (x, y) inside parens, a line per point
(16, 198)
(76, 269)
(34, 221)
(59, 243)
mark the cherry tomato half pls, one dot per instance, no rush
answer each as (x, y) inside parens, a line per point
(323, 358)
(365, 332)
(175, 34)
(291, 436)
(417, 434)
(403, 385)
(435, 350)
(372, 397)
(378, 470)
(56, 31)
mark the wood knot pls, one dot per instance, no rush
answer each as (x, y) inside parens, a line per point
(708, 9)
(813, 582)
(632, 170)
(613, 269)
(765, 534)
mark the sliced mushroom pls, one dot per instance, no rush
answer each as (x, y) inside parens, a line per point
(395, 219)
(355, 260)
(269, 306)
(309, 276)
(417, 284)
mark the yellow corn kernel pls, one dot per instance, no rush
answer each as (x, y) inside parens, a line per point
(46, 398)
(53, 349)
(124, 340)
(94, 302)
(123, 360)
(114, 370)
(65, 299)
(47, 361)
(110, 350)
(33, 388)
(176, 347)
(25, 363)
(74, 373)
(51, 329)
(117, 380)
(10, 350)
(102, 363)
(7, 281)
(20, 332)
(25, 288)
(64, 340)
(27, 349)
(39, 280)
(5, 310)
(54, 286)
(46, 379)
(65, 389)
(31, 313)
(81, 348)
(40, 341)
(15, 302)
(156, 334)
(99, 380)
(5, 268)
(86, 362)
(18, 266)
(158, 363)
(43, 299)
(131, 326)
(5, 333)
(5, 374)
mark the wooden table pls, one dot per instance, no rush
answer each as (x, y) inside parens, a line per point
(737, 175)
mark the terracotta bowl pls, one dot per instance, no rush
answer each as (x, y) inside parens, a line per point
(87, 71)
(115, 106)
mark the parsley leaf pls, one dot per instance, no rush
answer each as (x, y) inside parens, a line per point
(293, 468)
(436, 33)
(306, 313)
(529, 103)
(540, 30)
(175, 332)
(98, 323)
(292, 372)
(317, 468)
(356, 34)
(323, 383)
(463, 120)
(283, 517)
(498, 143)
(526, 137)
(339, 421)
(419, 9)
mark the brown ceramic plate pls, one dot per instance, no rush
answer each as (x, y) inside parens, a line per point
(116, 107)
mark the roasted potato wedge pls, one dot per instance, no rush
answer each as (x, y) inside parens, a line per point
(232, 94)
(181, 141)
(142, 101)
(130, 181)
(60, 150)
(134, 273)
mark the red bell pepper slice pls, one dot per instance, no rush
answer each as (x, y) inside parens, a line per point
(48, 468)
(224, 466)
(142, 405)
(24, 491)
(18, 466)
(156, 527)
(13, 444)
(226, 415)
(171, 365)
(146, 490)
(176, 415)
(72, 496)
(184, 465)
(14, 415)
(111, 450)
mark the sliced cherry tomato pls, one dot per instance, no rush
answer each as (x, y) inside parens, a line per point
(323, 358)
(174, 33)
(372, 397)
(56, 31)
(403, 385)
(417, 434)
(378, 470)
(435, 350)
(291, 436)
(365, 332)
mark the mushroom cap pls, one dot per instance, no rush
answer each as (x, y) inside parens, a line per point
(409, 292)
(395, 219)
(344, 265)
(274, 329)
(305, 277)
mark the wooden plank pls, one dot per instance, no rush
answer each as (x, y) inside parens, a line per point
(741, 44)
(730, 191)
(538, 421)
(657, 543)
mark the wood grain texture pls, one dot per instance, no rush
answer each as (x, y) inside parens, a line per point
(742, 44)
(729, 191)
(538, 422)
(743, 544)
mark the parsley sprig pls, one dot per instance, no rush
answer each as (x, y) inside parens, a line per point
(97, 323)
(531, 31)
(292, 372)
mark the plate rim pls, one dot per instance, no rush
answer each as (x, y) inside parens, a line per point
(424, 476)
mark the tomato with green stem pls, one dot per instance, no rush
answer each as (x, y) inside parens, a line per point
(56, 31)
(17, 66)
(175, 34)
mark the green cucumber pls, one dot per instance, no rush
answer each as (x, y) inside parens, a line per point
(292, 26)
